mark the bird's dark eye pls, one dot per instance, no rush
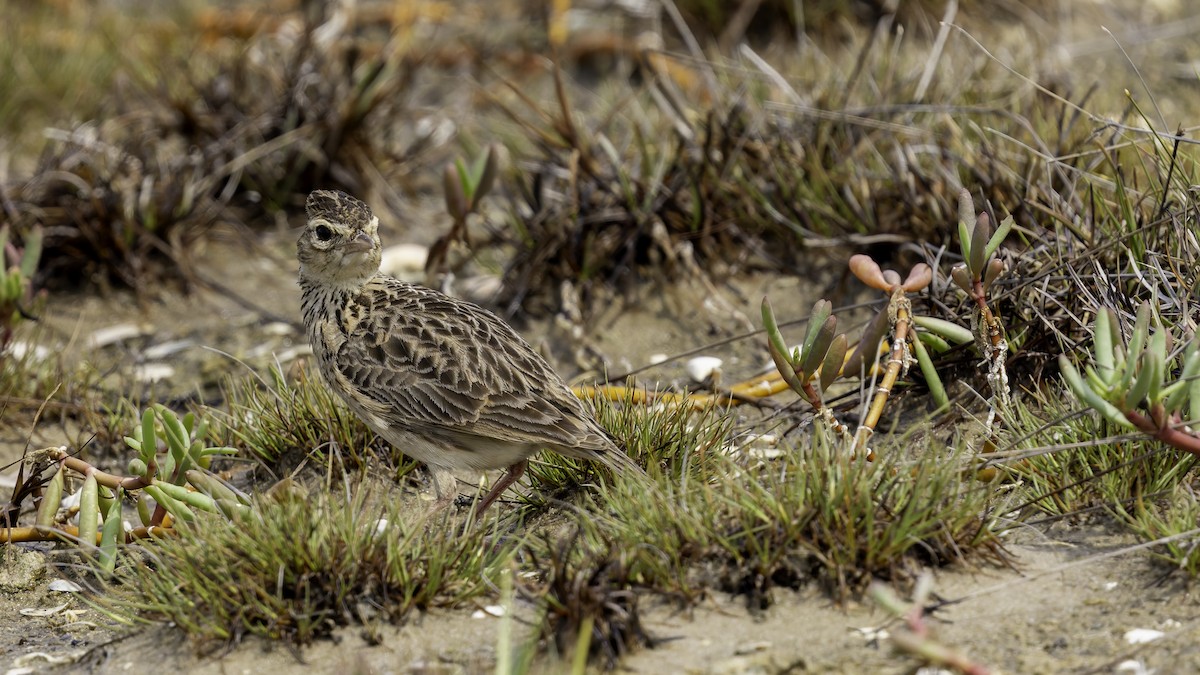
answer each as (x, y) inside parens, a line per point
(323, 233)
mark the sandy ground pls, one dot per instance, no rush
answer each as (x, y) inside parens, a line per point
(1064, 608)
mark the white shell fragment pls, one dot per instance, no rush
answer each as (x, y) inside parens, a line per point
(278, 329)
(381, 527)
(1140, 636)
(20, 350)
(28, 662)
(65, 586)
(872, 634)
(656, 359)
(490, 610)
(70, 501)
(293, 353)
(403, 259)
(762, 446)
(103, 337)
(769, 364)
(43, 611)
(701, 368)
(165, 349)
(153, 372)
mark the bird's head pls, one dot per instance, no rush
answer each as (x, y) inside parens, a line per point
(340, 244)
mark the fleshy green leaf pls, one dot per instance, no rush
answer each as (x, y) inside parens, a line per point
(966, 218)
(998, 238)
(932, 379)
(979, 239)
(831, 366)
(1088, 396)
(89, 510)
(814, 355)
(953, 332)
(51, 499)
(110, 534)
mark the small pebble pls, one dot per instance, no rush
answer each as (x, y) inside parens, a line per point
(764, 453)
(762, 446)
(656, 359)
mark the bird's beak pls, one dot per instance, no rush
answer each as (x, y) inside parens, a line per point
(361, 243)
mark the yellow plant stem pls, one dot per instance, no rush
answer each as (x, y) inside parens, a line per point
(901, 310)
(10, 535)
(619, 393)
(745, 391)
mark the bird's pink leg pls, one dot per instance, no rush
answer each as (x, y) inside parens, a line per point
(511, 476)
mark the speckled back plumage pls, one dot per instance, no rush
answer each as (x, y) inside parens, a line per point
(444, 380)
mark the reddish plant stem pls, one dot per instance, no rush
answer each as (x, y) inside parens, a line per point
(106, 479)
(1163, 427)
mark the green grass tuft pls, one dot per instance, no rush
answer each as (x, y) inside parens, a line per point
(292, 416)
(301, 565)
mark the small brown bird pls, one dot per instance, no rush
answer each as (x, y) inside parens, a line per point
(445, 381)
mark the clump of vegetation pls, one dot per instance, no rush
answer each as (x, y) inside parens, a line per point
(17, 267)
(750, 527)
(590, 597)
(464, 188)
(118, 205)
(785, 20)
(56, 65)
(123, 201)
(692, 176)
(289, 417)
(171, 482)
(304, 564)
(1132, 386)
(1072, 463)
